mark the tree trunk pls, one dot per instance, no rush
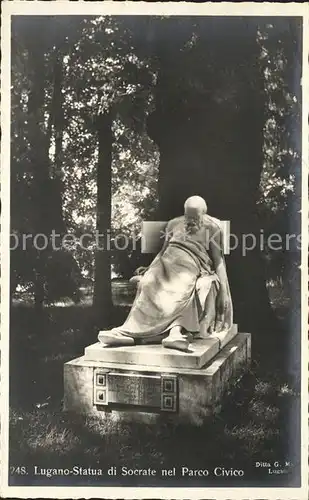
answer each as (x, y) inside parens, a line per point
(102, 299)
(47, 191)
(39, 160)
(210, 140)
(57, 113)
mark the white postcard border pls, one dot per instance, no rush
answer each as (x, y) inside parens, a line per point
(61, 7)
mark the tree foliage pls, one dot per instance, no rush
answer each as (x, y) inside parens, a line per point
(97, 65)
(280, 186)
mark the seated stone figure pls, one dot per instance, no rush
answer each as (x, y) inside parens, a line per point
(185, 284)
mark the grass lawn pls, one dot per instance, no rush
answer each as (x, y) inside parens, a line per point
(254, 424)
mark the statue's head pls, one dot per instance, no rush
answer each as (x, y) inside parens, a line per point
(195, 209)
(194, 205)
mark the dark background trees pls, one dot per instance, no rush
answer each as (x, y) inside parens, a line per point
(115, 120)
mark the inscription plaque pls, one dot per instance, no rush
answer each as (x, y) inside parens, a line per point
(156, 392)
(134, 389)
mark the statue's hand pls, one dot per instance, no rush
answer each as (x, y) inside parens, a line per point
(140, 271)
(221, 310)
(135, 280)
(138, 274)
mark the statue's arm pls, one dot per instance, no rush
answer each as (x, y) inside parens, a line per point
(216, 251)
(223, 297)
(168, 234)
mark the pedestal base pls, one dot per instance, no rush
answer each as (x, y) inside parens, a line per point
(150, 393)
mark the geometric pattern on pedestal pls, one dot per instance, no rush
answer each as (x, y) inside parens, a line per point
(169, 393)
(100, 387)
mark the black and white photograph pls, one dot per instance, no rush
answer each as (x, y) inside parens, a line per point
(154, 293)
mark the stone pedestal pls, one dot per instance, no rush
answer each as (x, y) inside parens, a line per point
(200, 352)
(149, 383)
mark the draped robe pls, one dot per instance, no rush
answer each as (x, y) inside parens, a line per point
(179, 288)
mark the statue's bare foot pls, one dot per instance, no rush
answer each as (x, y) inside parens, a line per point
(114, 338)
(176, 340)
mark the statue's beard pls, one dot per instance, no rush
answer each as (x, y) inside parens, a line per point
(193, 223)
